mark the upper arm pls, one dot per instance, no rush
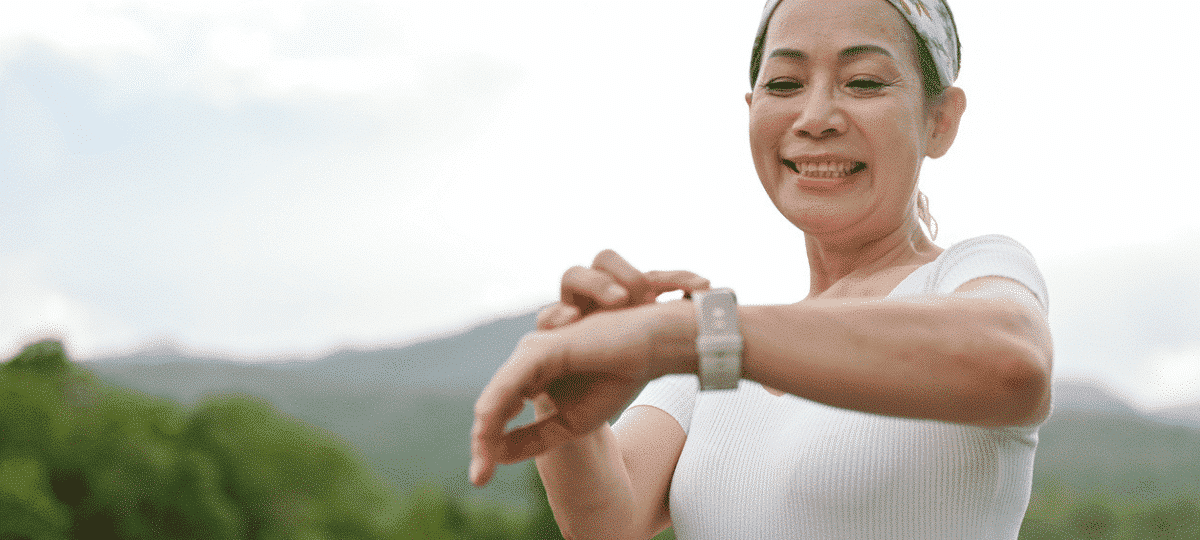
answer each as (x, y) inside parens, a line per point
(1012, 293)
(650, 441)
(1027, 325)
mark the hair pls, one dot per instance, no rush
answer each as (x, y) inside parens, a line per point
(931, 84)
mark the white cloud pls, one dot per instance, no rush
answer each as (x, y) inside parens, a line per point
(29, 129)
(1130, 314)
(1169, 377)
(35, 309)
(238, 48)
(261, 176)
(229, 52)
(86, 29)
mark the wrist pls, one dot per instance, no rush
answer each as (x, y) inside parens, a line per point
(672, 338)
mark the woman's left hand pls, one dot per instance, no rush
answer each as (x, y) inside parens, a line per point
(589, 370)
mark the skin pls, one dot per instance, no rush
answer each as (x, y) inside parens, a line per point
(980, 356)
(869, 107)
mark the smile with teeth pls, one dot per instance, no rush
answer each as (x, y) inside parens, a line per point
(826, 169)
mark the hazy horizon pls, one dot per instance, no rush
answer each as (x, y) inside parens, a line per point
(282, 179)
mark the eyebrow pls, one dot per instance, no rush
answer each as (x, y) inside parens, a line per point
(859, 50)
(846, 54)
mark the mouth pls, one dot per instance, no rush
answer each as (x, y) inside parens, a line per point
(825, 169)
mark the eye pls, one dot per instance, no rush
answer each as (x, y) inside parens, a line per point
(783, 86)
(866, 85)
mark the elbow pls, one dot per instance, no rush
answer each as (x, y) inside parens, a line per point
(1018, 356)
(1021, 388)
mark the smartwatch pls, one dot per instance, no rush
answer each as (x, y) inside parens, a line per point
(718, 339)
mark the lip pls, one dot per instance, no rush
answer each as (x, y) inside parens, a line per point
(796, 163)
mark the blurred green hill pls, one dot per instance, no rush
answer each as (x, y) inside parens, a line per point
(408, 409)
(82, 458)
(1105, 469)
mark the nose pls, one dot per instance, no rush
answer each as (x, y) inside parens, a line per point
(820, 115)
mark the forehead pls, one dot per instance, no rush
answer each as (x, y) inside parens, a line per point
(815, 25)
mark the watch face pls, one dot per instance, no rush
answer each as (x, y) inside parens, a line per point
(717, 312)
(718, 340)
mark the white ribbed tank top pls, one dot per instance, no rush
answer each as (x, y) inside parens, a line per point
(761, 466)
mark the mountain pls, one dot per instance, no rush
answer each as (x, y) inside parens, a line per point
(1095, 396)
(1182, 415)
(458, 363)
(1090, 395)
(409, 410)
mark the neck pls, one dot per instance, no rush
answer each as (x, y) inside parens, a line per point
(833, 260)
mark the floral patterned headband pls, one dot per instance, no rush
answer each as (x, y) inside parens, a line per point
(931, 19)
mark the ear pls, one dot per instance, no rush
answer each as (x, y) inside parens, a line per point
(748, 96)
(946, 116)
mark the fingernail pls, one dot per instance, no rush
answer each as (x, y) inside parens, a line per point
(564, 318)
(473, 471)
(614, 293)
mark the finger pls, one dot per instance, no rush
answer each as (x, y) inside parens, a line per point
(585, 288)
(543, 406)
(626, 275)
(482, 467)
(567, 315)
(662, 281)
(556, 316)
(483, 435)
(588, 404)
(548, 317)
(534, 439)
(536, 360)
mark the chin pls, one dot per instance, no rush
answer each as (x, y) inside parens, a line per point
(818, 218)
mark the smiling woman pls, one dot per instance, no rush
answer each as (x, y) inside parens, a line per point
(900, 399)
(876, 83)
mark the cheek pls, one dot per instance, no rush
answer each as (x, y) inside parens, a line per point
(766, 131)
(758, 126)
(896, 134)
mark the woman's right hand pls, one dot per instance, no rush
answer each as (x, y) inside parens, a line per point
(612, 283)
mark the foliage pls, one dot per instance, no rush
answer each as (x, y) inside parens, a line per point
(1090, 517)
(1114, 476)
(79, 459)
(84, 459)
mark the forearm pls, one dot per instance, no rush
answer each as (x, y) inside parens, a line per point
(952, 359)
(587, 485)
(948, 359)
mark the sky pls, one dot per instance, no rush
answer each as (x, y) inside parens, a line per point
(270, 180)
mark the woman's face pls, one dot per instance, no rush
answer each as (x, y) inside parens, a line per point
(838, 122)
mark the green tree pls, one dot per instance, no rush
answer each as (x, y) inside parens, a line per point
(1175, 520)
(83, 460)
(1093, 520)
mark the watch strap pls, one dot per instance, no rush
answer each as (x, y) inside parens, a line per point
(718, 339)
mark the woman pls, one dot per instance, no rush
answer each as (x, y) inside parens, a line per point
(900, 399)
